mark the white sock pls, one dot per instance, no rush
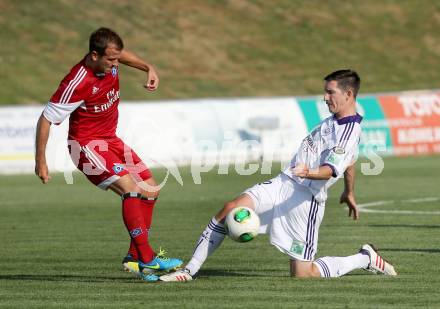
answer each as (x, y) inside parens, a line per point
(209, 240)
(333, 266)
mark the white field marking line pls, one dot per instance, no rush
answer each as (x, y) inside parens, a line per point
(423, 199)
(364, 207)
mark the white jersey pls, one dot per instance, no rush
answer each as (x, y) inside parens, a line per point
(334, 142)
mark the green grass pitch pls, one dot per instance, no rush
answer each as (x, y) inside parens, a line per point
(62, 245)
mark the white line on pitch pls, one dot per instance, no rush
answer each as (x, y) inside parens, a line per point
(378, 203)
(424, 199)
(364, 207)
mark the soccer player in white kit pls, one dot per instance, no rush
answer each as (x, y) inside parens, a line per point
(291, 206)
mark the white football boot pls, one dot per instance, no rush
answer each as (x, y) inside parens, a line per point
(181, 275)
(377, 263)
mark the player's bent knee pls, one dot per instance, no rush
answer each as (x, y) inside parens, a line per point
(150, 194)
(124, 185)
(242, 200)
(228, 206)
(149, 188)
(303, 269)
(305, 274)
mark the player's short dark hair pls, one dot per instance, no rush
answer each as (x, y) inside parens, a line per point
(347, 79)
(101, 38)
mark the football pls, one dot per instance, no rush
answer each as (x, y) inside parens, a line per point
(242, 224)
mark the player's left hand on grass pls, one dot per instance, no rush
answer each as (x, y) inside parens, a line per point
(152, 81)
(348, 198)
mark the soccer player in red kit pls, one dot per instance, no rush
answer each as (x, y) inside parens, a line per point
(89, 95)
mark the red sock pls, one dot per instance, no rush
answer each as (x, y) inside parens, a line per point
(132, 250)
(147, 214)
(135, 224)
(147, 211)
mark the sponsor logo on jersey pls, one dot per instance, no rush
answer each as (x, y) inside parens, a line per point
(112, 97)
(309, 143)
(95, 90)
(117, 168)
(114, 71)
(136, 232)
(339, 150)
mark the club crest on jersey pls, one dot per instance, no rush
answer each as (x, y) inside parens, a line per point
(117, 168)
(114, 71)
(95, 90)
(327, 130)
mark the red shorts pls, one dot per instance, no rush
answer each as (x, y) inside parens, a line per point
(105, 161)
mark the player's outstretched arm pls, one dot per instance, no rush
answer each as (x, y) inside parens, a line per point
(132, 60)
(322, 173)
(347, 196)
(41, 169)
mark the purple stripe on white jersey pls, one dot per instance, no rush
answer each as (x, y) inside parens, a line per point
(311, 229)
(343, 134)
(309, 221)
(348, 136)
(312, 248)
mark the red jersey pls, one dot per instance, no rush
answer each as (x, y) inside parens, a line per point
(90, 100)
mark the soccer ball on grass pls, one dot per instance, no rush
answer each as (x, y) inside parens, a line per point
(242, 224)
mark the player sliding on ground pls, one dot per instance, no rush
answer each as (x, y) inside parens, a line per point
(291, 206)
(89, 95)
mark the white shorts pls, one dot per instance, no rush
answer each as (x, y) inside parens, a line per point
(290, 214)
